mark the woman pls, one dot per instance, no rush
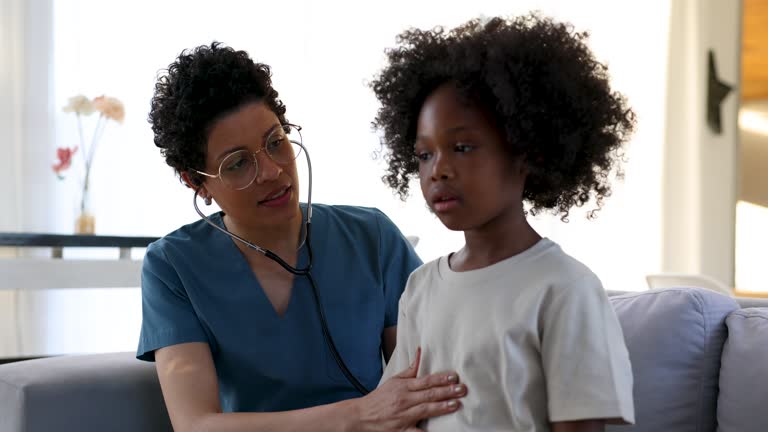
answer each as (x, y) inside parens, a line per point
(237, 339)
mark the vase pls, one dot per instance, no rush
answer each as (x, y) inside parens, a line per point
(85, 224)
(86, 221)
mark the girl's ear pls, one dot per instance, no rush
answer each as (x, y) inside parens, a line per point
(520, 165)
(524, 169)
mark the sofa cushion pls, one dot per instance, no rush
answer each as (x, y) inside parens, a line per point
(104, 392)
(744, 373)
(752, 302)
(675, 339)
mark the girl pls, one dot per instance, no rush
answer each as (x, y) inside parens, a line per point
(491, 116)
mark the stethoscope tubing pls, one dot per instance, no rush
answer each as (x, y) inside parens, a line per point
(305, 271)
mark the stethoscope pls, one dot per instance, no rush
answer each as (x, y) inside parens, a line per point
(306, 271)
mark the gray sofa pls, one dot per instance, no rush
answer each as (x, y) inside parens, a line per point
(700, 362)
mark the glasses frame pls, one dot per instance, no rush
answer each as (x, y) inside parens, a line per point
(263, 148)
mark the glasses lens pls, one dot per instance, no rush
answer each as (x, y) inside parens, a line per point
(284, 144)
(238, 170)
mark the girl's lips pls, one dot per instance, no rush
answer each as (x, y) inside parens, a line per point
(445, 205)
(444, 198)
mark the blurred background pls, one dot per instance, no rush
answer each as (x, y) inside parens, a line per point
(694, 199)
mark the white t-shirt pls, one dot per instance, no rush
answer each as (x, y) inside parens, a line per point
(533, 337)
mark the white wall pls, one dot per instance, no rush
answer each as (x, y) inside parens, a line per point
(322, 54)
(700, 166)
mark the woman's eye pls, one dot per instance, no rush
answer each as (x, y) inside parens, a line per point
(236, 164)
(275, 143)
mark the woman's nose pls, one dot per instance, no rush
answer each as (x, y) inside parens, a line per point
(269, 170)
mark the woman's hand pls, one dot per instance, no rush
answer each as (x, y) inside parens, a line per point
(404, 400)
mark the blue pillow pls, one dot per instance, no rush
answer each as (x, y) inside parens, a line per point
(675, 339)
(744, 373)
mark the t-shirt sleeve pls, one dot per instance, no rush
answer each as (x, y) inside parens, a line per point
(586, 363)
(397, 259)
(168, 317)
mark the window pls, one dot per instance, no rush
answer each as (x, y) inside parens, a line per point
(322, 53)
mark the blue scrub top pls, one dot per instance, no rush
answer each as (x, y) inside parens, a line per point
(197, 287)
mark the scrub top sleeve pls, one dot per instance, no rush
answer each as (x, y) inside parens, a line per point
(397, 259)
(168, 317)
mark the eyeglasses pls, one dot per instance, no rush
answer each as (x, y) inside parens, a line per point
(240, 169)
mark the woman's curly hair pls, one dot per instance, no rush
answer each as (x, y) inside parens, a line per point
(542, 83)
(199, 87)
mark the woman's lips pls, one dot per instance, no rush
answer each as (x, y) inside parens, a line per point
(278, 200)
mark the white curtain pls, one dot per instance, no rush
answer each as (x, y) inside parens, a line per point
(10, 143)
(26, 133)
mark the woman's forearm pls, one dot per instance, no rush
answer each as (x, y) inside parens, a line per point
(336, 417)
(188, 380)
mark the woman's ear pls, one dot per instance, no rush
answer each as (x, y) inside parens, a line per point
(195, 183)
(191, 182)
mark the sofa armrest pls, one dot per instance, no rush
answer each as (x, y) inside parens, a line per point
(113, 392)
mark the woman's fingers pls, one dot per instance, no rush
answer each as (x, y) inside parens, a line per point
(434, 380)
(413, 369)
(437, 394)
(425, 397)
(431, 409)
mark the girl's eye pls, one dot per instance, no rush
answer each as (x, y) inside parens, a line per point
(423, 156)
(463, 148)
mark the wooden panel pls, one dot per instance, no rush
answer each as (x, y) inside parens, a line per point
(753, 184)
(750, 294)
(754, 66)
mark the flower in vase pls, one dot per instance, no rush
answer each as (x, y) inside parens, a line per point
(110, 108)
(65, 160)
(80, 104)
